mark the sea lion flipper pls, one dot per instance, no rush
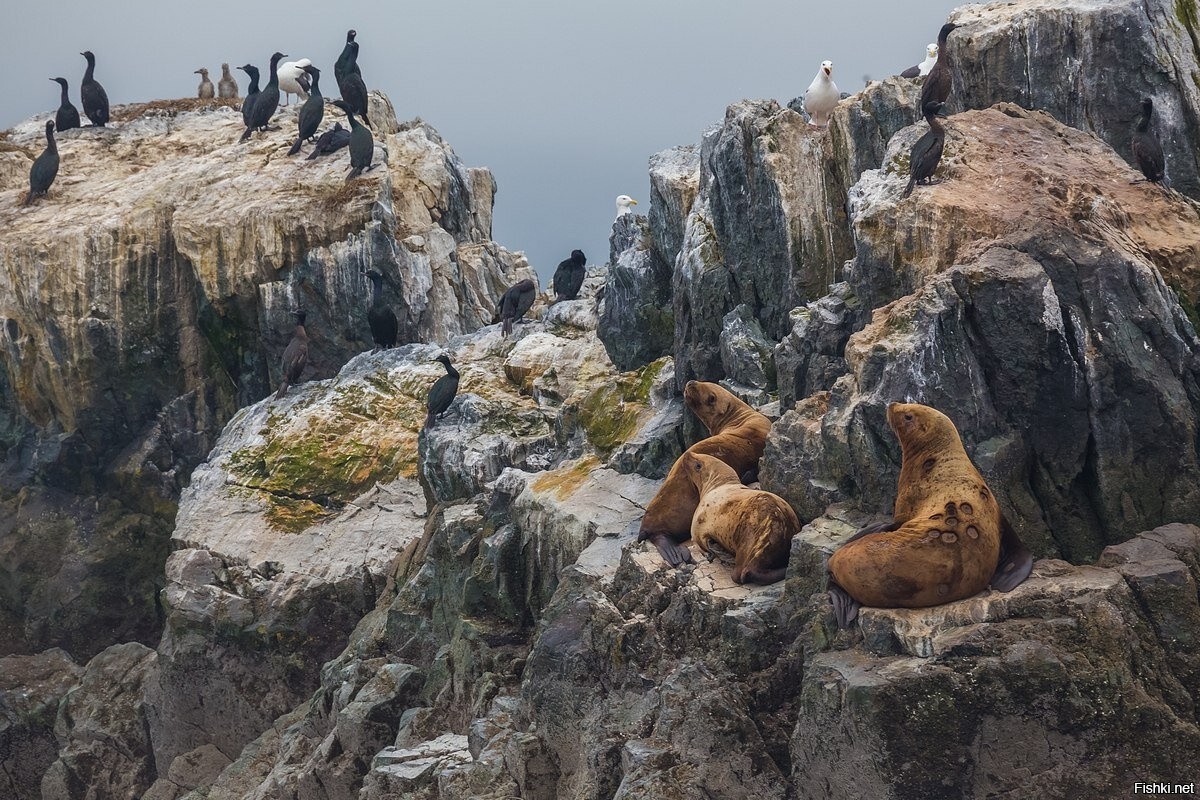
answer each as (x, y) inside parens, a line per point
(672, 551)
(890, 525)
(845, 607)
(1016, 562)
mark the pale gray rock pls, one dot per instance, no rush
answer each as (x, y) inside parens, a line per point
(747, 356)
(636, 321)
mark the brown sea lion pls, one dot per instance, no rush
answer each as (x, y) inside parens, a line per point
(738, 434)
(756, 526)
(948, 537)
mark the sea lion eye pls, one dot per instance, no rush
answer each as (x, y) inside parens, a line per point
(712, 399)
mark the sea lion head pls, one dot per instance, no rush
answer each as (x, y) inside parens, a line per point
(921, 427)
(701, 468)
(711, 402)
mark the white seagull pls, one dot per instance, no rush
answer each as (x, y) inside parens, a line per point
(922, 69)
(625, 205)
(293, 79)
(822, 96)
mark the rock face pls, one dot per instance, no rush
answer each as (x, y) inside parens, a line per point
(31, 688)
(1065, 357)
(148, 297)
(1062, 58)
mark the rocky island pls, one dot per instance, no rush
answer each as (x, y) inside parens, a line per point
(210, 593)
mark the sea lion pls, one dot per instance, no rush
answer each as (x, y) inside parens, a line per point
(948, 537)
(756, 526)
(737, 435)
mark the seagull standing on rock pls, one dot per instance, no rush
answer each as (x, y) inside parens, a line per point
(293, 80)
(822, 96)
(206, 90)
(922, 69)
(625, 205)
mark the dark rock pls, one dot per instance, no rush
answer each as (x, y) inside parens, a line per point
(30, 690)
(635, 323)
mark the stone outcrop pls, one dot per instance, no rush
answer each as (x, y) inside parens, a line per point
(147, 298)
(31, 688)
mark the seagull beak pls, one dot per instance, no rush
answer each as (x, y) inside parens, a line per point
(828, 71)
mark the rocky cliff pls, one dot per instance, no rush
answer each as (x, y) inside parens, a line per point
(358, 606)
(149, 297)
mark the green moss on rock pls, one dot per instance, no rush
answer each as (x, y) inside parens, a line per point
(610, 414)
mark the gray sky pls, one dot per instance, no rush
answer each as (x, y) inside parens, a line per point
(564, 101)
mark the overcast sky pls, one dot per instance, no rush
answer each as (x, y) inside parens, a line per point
(564, 101)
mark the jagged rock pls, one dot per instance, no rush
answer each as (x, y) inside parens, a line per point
(1068, 64)
(104, 740)
(769, 226)
(1084, 433)
(811, 357)
(30, 690)
(674, 184)
(747, 356)
(635, 323)
(148, 297)
(406, 771)
(652, 450)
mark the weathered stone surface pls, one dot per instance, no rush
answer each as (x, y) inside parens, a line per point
(1057, 345)
(148, 297)
(636, 322)
(747, 356)
(1064, 59)
(30, 690)
(812, 355)
(104, 740)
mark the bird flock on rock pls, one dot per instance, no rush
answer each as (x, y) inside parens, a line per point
(302, 78)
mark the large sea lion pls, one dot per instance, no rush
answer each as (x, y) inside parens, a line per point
(756, 526)
(948, 537)
(737, 436)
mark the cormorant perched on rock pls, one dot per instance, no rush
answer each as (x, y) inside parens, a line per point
(292, 79)
(940, 79)
(206, 90)
(568, 278)
(45, 167)
(822, 96)
(931, 53)
(625, 205)
(227, 88)
(442, 393)
(380, 317)
(330, 141)
(267, 101)
(348, 61)
(251, 98)
(1147, 151)
(295, 356)
(515, 302)
(311, 113)
(95, 100)
(67, 116)
(362, 143)
(927, 152)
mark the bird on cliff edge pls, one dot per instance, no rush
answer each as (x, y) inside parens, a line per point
(349, 79)
(625, 205)
(251, 97)
(265, 104)
(45, 167)
(922, 69)
(940, 78)
(362, 143)
(514, 303)
(822, 96)
(227, 88)
(293, 79)
(311, 113)
(206, 90)
(330, 141)
(568, 278)
(1147, 150)
(95, 99)
(295, 355)
(927, 151)
(442, 393)
(67, 116)
(380, 317)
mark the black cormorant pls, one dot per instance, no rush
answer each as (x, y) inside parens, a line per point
(362, 143)
(330, 141)
(1147, 151)
(251, 98)
(295, 357)
(227, 88)
(441, 394)
(311, 112)
(938, 82)
(349, 81)
(267, 101)
(568, 278)
(67, 116)
(515, 302)
(380, 317)
(206, 90)
(95, 101)
(927, 152)
(45, 167)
